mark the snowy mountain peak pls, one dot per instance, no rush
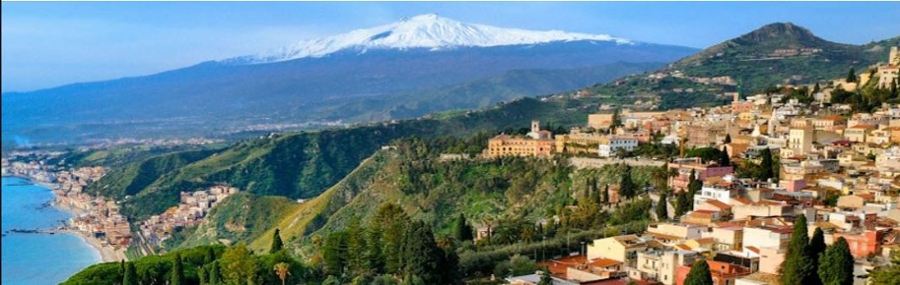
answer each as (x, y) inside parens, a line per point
(421, 31)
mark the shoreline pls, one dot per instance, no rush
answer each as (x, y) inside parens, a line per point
(107, 253)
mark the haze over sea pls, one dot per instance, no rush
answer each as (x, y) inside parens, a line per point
(37, 259)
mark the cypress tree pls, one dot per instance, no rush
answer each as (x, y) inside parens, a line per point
(177, 277)
(767, 164)
(130, 277)
(277, 243)
(699, 274)
(797, 267)
(626, 185)
(210, 256)
(724, 160)
(462, 232)
(214, 276)
(727, 138)
(694, 185)
(662, 211)
(836, 264)
(604, 198)
(816, 250)
(201, 273)
(682, 204)
(851, 76)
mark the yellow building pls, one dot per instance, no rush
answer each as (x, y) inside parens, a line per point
(505, 145)
(857, 133)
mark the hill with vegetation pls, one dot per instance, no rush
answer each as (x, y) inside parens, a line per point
(303, 165)
(782, 53)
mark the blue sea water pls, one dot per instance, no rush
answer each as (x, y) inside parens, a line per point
(37, 259)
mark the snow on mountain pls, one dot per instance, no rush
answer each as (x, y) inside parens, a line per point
(422, 31)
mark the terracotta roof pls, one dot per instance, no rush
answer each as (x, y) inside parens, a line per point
(718, 204)
(742, 201)
(604, 262)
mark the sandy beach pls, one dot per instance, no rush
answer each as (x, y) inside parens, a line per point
(107, 252)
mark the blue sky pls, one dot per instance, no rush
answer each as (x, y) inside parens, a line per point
(47, 44)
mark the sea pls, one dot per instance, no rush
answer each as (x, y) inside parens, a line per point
(32, 258)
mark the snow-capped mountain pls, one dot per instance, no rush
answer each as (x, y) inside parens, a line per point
(423, 31)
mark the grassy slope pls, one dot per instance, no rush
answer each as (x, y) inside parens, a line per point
(303, 165)
(243, 216)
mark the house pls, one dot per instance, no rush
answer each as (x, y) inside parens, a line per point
(727, 238)
(622, 248)
(712, 193)
(505, 145)
(661, 265)
(616, 144)
(685, 166)
(858, 133)
(666, 232)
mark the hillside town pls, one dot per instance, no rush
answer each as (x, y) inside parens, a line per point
(837, 169)
(98, 218)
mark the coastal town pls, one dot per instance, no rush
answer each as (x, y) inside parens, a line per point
(830, 164)
(97, 219)
(836, 169)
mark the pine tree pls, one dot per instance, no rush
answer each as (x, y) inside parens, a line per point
(356, 247)
(836, 264)
(797, 267)
(816, 250)
(662, 211)
(421, 255)
(375, 252)
(334, 253)
(699, 274)
(130, 276)
(462, 232)
(277, 243)
(177, 277)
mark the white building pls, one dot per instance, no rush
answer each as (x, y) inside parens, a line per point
(712, 193)
(617, 143)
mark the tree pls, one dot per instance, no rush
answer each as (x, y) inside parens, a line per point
(282, 269)
(462, 232)
(374, 253)
(694, 185)
(277, 243)
(724, 160)
(727, 138)
(334, 252)
(662, 211)
(421, 254)
(888, 275)
(210, 256)
(797, 267)
(214, 276)
(203, 275)
(177, 277)
(699, 274)
(604, 197)
(546, 279)
(130, 277)
(851, 75)
(616, 120)
(816, 249)
(836, 264)
(767, 165)
(682, 204)
(238, 264)
(627, 188)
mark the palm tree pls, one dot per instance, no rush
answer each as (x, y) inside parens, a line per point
(281, 269)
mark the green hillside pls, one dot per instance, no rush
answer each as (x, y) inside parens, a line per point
(303, 165)
(243, 216)
(782, 53)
